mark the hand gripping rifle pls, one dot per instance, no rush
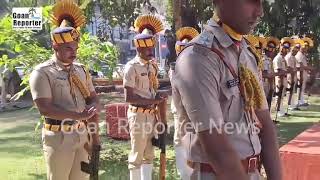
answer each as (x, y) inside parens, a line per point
(160, 142)
(92, 167)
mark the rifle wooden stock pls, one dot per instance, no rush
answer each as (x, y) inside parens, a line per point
(92, 167)
(95, 130)
(300, 83)
(163, 111)
(162, 174)
(292, 84)
(162, 114)
(269, 98)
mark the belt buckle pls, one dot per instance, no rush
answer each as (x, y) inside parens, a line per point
(67, 128)
(252, 164)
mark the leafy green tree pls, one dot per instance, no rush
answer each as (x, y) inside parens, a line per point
(94, 53)
(286, 18)
(113, 13)
(189, 12)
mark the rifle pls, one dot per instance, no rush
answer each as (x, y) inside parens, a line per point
(300, 83)
(281, 74)
(92, 167)
(160, 142)
(290, 89)
(291, 84)
(270, 78)
(278, 104)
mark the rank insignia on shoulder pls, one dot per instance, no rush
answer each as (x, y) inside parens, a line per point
(233, 83)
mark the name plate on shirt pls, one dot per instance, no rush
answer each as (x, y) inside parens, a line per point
(62, 78)
(233, 83)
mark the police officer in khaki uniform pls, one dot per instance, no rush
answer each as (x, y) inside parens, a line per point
(256, 44)
(61, 101)
(281, 68)
(292, 77)
(270, 51)
(303, 70)
(141, 84)
(212, 94)
(184, 36)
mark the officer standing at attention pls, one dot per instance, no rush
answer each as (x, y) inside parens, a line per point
(303, 70)
(216, 88)
(270, 52)
(292, 77)
(141, 85)
(184, 36)
(61, 89)
(281, 68)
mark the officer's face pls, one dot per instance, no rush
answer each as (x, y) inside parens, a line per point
(66, 52)
(304, 49)
(241, 15)
(146, 53)
(284, 51)
(270, 54)
(294, 51)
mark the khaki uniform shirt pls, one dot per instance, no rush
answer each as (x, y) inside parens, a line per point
(301, 58)
(268, 67)
(279, 63)
(267, 64)
(136, 76)
(50, 80)
(201, 95)
(291, 62)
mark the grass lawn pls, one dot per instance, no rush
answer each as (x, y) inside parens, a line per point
(20, 146)
(21, 155)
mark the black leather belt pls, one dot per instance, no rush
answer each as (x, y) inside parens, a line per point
(58, 122)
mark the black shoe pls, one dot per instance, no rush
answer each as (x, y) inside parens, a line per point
(276, 122)
(304, 105)
(296, 109)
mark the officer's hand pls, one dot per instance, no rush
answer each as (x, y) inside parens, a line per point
(87, 113)
(163, 94)
(94, 105)
(159, 100)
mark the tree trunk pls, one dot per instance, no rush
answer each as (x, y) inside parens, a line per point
(177, 13)
(184, 15)
(3, 100)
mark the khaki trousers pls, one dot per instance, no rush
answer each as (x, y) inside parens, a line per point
(63, 153)
(141, 127)
(266, 88)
